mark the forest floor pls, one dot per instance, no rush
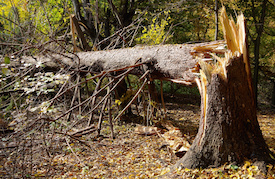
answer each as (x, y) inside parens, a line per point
(131, 155)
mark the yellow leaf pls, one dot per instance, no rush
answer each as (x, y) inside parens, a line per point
(118, 102)
(166, 170)
(187, 169)
(272, 156)
(247, 163)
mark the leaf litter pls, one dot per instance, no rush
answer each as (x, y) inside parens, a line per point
(129, 155)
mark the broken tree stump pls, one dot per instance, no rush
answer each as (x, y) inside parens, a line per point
(229, 131)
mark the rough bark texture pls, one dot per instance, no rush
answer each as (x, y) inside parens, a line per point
(164, 61)
(230, 131)
(273, 93)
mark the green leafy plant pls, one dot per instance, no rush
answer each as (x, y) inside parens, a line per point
(155, 33)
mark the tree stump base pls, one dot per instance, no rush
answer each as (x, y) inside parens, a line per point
(229, 131)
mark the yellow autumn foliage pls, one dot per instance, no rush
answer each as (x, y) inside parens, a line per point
(155, 33)
(14, 10)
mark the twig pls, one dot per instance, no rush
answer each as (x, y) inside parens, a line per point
(87, 131)
(101, 116)
(10, 44)
(11, 91)
(110, 115)
(144, 75)
(119, 31)
(79, 95)
(58, 93)
(125, 73)
(82, 130)
(73, 152)
(97, 92)
(94, 98)
(114, 87)
(72, 102)
(132, 100)
(162, 99)
(96, 76)
(149, 110)
(17, 79)
(75, 138)
(135, 33)
(116, 13)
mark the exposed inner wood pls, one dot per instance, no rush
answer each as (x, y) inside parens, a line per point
(229, 130)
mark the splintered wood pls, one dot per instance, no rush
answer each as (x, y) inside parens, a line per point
(235, 39)
(214, 58)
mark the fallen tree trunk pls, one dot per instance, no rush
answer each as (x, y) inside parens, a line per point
(167, 62)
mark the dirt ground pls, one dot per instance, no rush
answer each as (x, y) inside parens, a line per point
(129, 155)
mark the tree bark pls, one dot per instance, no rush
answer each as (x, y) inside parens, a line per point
(168, 62)
(229, 130)
(216, 19)
(273, 94)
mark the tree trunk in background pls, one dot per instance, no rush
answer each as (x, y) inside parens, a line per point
(87, 20)
(256, 68)
(273, 94)
(259, 29)
(216, 19)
